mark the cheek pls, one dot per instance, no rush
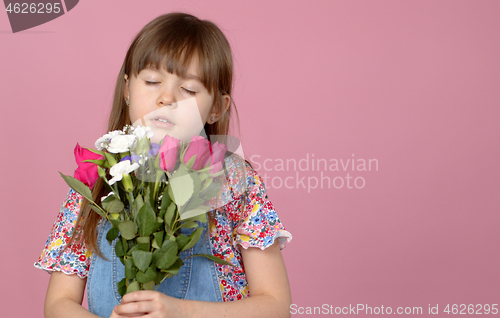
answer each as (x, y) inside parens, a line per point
(133, 114)
(138, 107)
(204, 108)
(188, 120)
(188, 112)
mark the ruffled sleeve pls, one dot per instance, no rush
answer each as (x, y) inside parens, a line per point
(258, 225)
(76, 258)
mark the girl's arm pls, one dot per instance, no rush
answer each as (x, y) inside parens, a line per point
(267, 280)
(64, 297)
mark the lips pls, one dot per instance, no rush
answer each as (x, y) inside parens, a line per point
(162, 120)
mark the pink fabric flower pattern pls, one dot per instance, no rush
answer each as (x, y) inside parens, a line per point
(233, 228)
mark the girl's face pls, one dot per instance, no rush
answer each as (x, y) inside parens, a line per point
(169, 104)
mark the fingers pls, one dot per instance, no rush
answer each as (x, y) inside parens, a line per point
(146, 303)
(142, 295)
(134, 309)
(115, 315)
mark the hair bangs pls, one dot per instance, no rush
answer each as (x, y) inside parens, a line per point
(174, 51)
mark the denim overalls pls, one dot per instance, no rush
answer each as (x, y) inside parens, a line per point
(197, 278)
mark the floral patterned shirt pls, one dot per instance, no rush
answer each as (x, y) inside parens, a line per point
(248, 220)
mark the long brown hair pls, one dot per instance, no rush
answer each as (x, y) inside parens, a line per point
(169, 41)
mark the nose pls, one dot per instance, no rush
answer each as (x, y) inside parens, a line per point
(167, 95)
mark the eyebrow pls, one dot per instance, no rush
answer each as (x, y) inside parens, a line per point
(188, 76)
(191, 76)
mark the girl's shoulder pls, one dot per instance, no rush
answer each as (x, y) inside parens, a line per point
(248, 207)
(57, 255)
(241, 177)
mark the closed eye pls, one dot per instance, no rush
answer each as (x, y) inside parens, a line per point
(152, 83)
(189, 92)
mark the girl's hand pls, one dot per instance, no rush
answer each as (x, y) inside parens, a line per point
(147, 302)
(115, 315)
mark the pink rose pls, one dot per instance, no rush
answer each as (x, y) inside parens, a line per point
(218, 151)
(86, 171)
(168, 153)
(199, 147)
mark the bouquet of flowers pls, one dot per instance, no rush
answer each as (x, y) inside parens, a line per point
(154, 190)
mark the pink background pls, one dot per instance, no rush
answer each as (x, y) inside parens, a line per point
(413, 84)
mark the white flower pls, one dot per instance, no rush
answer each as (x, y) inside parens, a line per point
(121, 143)
(142, 131)
(121, 168)
(103, 142)
(107, 195)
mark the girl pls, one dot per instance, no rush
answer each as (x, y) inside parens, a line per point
(177, 75)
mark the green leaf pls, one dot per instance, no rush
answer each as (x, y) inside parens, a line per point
(124, 244)
(119, 250)
(174, 269)
(143, 243)
(128, 229)
(148, 193)
(212, 191)
(97, 162)
(110, 158)
(194, 203)
(200, 218)
(169, 190)
(134, 286)
(159, 277)
(158, 240)
(79, 187)
(98, 211)
(112, 205)
(182, 185)
(142, 259)
(99, 152)
(146, 219)
(196, 183)
(182, 240)
(142, 146)
(143, 240)
(165, 202)
(147, 276)
(122, 288)
(130, 269)
(193, 238)
(149, 285)
(115, 222)
(101, 172)
(112, 234)
(166, 255)
(139, 202)
(170, 215)
(131, 250)
(191, 161)
(194, 212)
(206, 184)
(109, 198)
(189, 224)
(203, 175)
(213, 258)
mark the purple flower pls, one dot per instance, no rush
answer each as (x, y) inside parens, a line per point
(153, 150)
(126, 158)
(135, 158)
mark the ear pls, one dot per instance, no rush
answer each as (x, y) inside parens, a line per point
(220, 110)
(126, 93)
